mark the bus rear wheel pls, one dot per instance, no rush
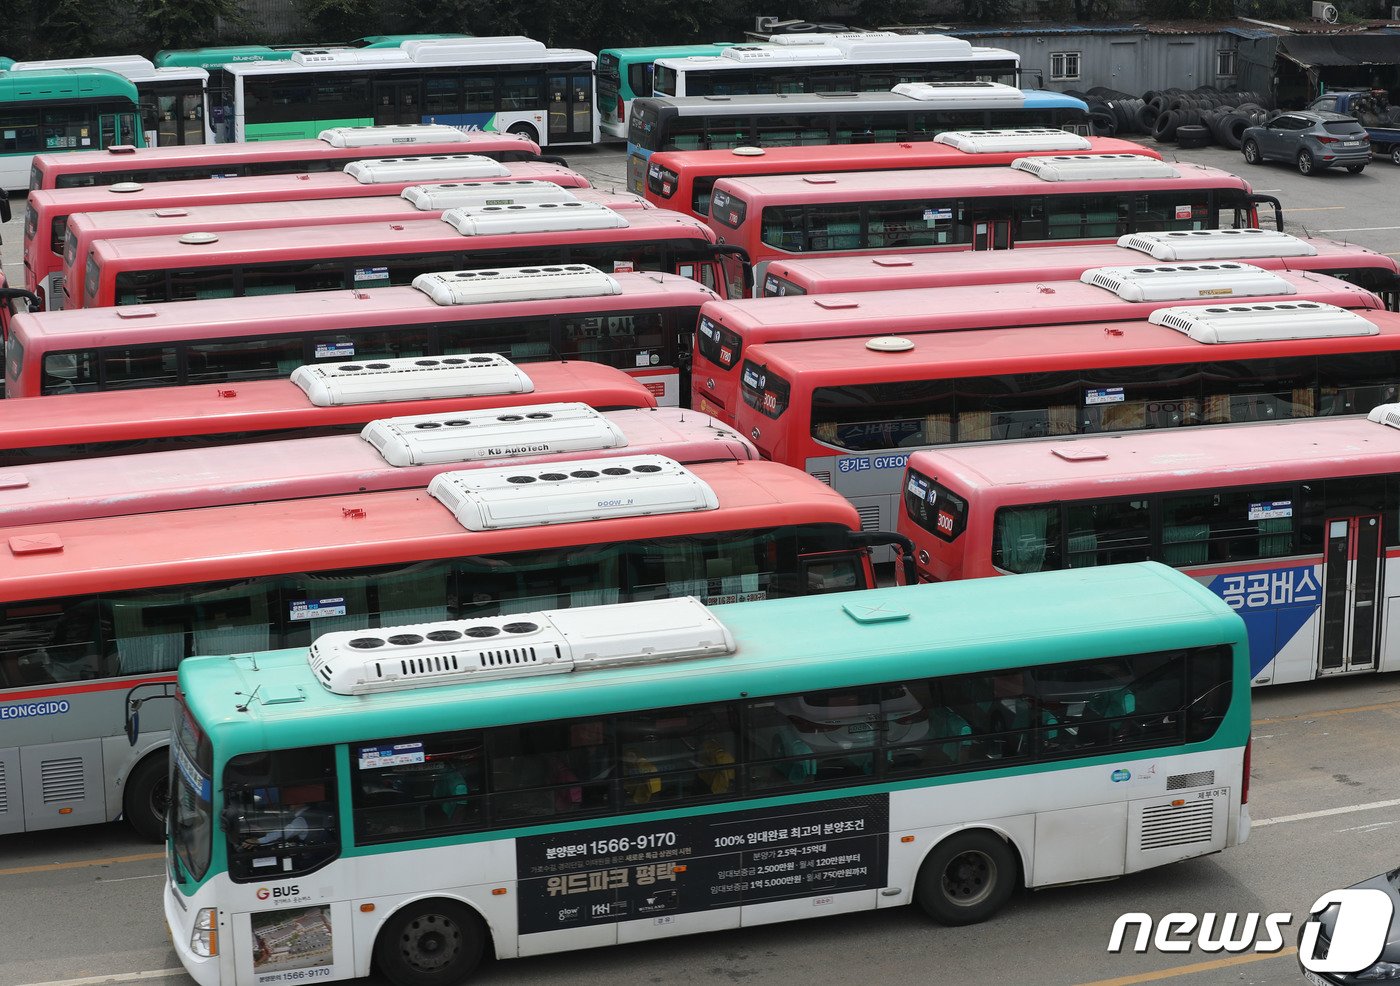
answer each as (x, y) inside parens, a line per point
(147, 796)
(967, 878)
(430, 943)
(526, 131)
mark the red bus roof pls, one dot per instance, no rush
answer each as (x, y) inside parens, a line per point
(270, 405)
(918, 310)
(1027, 263)
(838, 362)
(951, 183)
(253, 246)
(861, 157)
(333, 310)
(180, 479)
(136, 159)
(365, 529)
(1165, 460)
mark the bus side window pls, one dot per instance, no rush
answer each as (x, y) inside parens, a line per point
(49, 641)
(414, 787)
(279, 811)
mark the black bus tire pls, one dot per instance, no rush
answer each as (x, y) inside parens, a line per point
(146, 796)
(967, 878)
(431, 942)
(524, 130)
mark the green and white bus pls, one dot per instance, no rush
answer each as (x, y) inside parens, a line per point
(408, 799)
(219, 56)
(626, 73)
(62, 110)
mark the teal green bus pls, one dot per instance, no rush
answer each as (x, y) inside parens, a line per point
(213, 58)
(63, 110)
(408, 799)
(625, 73)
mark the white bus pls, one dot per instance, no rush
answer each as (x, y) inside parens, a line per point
(407, 799)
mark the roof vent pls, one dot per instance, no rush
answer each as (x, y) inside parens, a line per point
(1262, 322)
(889, 344)
(1094, 167)
(747, 151)
(964, 95)
(486, 50)
(411, 379)
(497, 433)
(480, 287)
(392, 136)
(544, 217)
(199, 238)
(1076, 452)
(1013, 141)
(893, 262)
(1180, 282)
(569, 492)
(1386, 414)
(1217, 244)
(474, 194)
(126, 187)
(316, 57)
(361, 662)
(171, 213)
(436, 167)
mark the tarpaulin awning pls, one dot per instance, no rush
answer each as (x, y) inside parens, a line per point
(1354, 49)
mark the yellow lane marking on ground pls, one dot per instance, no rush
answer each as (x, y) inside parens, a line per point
(1326, 713)
(1315, 208)
(77, 864)
(1191, 970)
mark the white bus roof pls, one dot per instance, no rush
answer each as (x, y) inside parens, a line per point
(506, 50)
(853, 47)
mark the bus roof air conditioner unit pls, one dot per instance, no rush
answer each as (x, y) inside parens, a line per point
(1182, 282)
(1013, 141)
(543, 217)
(392, 136)
(571, 492)
(473, 194)
(969, 95)
(435, 167)
(1263, 322)
(1217, 244)
(1094, 167)
(410, 378)
(495, 434)
(451, 652)
(480, 287)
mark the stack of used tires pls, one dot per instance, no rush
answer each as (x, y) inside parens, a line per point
(1190, 118)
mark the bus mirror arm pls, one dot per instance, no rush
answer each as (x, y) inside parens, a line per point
(133, 707)
(1256, 198)
(903, 546)
(734, 250)
(9, 294)
(5, 208)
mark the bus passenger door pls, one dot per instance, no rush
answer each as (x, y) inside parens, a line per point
(570, 107)
(396, 103)
(114, 129)
(1350, 594)
(991, 233)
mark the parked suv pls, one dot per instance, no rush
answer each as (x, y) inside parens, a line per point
(1312, 141)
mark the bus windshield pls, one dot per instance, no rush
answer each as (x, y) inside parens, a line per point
(191, 822)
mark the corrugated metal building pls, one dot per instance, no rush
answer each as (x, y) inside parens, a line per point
(1131, 57)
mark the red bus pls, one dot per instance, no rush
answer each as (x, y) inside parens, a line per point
(682, 180)
(124, 422)
(728, 330)
(852, 411)
(395, 453)
(329, 152)
(46, 217)
(1291, 523)
(97, 614)
(414, 202)
(639, 322)
(150, 269)
(1037, 201)
(1260, 247)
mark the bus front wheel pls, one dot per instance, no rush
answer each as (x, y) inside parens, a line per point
(147, 796)
(430, 943)
(967, 878)
(526, 131)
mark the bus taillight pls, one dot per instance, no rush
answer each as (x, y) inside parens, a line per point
(621, 110)
(1244, 786)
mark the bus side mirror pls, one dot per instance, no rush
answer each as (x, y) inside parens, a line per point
(5, 209)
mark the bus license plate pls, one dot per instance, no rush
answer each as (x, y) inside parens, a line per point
(1351, 143)
(860, 727)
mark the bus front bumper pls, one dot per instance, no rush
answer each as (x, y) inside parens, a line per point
(180, 915)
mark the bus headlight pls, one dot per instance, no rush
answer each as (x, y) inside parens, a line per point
(204, 940)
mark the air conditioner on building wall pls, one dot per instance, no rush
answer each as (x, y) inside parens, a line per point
(1324, 12)
(1395, 13)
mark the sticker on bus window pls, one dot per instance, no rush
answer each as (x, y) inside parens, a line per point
(317, 609)
(1104, 395)
(333, 350)
(370, 277)
(1183, 212)
(938, 215)
(623, 266)
(1271, 509)
(642, 359)
(390, 755)
(918, 487)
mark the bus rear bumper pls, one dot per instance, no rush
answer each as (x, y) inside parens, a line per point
(1243, 826)
(179, 924)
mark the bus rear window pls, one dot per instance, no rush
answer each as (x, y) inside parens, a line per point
(764, 391)
(58, 232)
(641, 126)
(663, 81)
(728, 209)
(718, 344)
(70, 248)
(662, 181)
(639, 78)
(780, 287)
(14, 358)
(609, 79)
(31, 222)
(92, 275)
(934, 507)
(36, 176)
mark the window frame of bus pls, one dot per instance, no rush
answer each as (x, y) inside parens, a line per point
(756, 393)
(1022, 723)
(732, 217)
(251, 860)
(1307, 511)
(929, 494)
